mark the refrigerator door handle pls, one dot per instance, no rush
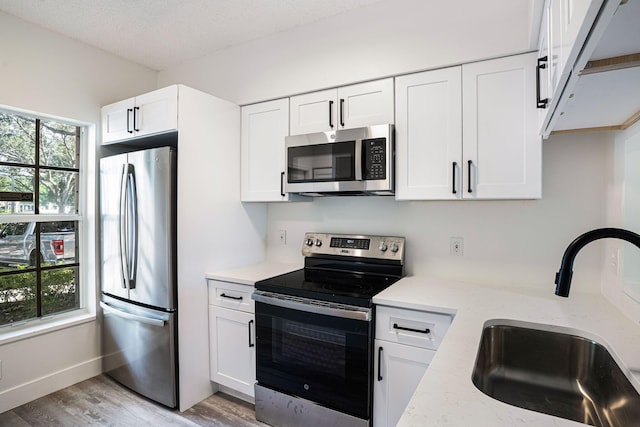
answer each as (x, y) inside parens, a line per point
(133, 249)
(129, 316)
(122, 226)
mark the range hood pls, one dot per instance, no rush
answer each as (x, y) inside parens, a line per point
(603, 92)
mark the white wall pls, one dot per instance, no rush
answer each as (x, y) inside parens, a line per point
(516, 243)
(505, 242)
(615, 276)
(386, 38)
(43, 72)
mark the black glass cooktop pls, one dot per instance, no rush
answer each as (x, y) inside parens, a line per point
(335, 286)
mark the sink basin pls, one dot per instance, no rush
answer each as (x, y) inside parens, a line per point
(544, 369)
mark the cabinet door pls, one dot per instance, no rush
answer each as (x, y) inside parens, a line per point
(502, 150)
(398, 370)
(576, 19)
(365, 104)
(313, 112)
(264, 127)
(117, 121)
(232, 349)
(429, 135)
(156, 111)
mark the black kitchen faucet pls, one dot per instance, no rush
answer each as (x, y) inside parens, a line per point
(563, 277)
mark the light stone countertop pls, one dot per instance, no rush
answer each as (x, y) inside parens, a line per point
(447, 397)
(250, 274)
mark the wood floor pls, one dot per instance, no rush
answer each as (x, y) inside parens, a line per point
(100, 401)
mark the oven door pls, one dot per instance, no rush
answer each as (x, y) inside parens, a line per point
(314, 352)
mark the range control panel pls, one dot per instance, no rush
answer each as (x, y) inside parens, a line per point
(380, 247)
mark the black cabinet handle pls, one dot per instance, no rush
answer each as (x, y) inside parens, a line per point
(402, 328)
(230, 297)
(282, 184)
(453, 177)
(542, 64)
(331, 114)
(251, 344)
(469, 163)
(135, 125)
(341, 112)
(129, 111)
(379, 363)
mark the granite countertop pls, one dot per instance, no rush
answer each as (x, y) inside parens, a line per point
(250, 274)
(447, 397)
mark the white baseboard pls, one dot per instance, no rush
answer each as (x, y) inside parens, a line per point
(55, 381)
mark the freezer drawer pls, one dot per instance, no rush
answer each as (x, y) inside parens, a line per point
(139, 349)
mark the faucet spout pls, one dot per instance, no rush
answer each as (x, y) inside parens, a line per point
(563, 276)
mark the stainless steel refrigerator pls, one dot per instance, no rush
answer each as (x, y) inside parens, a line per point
(139, 296)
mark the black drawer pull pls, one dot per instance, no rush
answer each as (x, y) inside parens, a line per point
(251, 344)
(379, 363)
(453, 178)
(402, 328)
(469, 163)
(331, 114)
(231, 297)
(130, 110)
(542, 64)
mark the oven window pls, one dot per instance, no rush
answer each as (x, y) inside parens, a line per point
(322, 162)
(320, 358)
(310, 347)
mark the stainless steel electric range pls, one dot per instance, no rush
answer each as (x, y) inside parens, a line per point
(314, 331)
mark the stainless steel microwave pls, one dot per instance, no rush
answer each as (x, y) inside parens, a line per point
(342, 162)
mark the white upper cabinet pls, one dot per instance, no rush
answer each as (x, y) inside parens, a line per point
(429, 135)
(313, 112)
(564, 29)
(263, 132)
(502, 151)
(150, 113)
(358, 105)
(469, 132)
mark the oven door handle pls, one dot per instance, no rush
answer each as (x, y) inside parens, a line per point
(313, 306)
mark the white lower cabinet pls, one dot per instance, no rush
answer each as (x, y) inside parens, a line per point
(232, 336)
(406, 343)
(399, 370)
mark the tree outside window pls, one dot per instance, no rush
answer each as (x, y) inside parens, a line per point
(39, 217)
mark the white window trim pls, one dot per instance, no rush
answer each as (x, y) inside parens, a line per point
(87, 234)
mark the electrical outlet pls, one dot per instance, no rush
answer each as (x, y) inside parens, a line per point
(457, 246)
(283, 237)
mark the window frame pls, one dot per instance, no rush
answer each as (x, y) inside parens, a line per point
(85, 220)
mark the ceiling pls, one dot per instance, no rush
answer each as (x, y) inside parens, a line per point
(163, 33)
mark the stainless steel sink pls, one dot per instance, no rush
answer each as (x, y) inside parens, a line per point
(568, 376)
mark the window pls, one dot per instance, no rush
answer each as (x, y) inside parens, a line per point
(39, 217)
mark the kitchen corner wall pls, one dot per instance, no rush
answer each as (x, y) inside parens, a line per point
(513, 243)
(615, 279)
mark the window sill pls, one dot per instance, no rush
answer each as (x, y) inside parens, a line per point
(47, 325)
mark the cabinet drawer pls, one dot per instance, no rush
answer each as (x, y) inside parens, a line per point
(417, 328)
(235, 296)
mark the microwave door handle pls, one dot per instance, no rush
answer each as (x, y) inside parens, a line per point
(359, 165)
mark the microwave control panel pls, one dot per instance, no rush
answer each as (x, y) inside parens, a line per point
(374, 159)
